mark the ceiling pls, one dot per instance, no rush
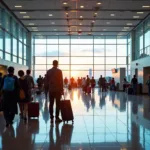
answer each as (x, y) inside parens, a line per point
(111, 17)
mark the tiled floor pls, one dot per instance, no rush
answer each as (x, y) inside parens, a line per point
(103, 121)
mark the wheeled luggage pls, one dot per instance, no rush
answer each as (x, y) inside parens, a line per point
(88, 90)
(33, 109)
(66, 111)
(130, 91)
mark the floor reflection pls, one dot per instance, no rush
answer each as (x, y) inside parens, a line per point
(103, 120)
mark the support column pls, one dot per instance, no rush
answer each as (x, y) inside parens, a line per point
(133, 53)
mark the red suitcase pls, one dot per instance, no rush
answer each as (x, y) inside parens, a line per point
(33, 109)
(88, 90)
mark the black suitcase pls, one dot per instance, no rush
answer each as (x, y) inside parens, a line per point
(130, 91)
(66, 111)
(66, 134)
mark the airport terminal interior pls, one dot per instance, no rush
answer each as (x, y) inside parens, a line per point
(88, 38)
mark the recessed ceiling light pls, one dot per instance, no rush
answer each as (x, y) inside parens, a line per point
(66, 13)
(136, 16)
(31, 24)
(107, 22)
(126, 27)
(95, 13)
(112, 15)
(65, 3)
(53, 23)
(82, 6)
(104, 29)
(80, 24)
(18, 6)
(57, 34)
(102, 34)
(34, 28)
(81, 16)
(50, 15)
(140, 12)
(23, 12)
(98, 3)
(93, 21)
(55, 29)
(129, 24)
(26, 16)
(146, 6)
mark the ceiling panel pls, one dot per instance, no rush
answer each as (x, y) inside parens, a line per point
(54, 17)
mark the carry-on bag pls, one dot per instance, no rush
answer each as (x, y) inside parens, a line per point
(33, 109)
(66, 111)
(88, 90)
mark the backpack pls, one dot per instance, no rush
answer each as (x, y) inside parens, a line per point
(9, 83)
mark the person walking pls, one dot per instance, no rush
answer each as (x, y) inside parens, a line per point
(55, 83)
(23, 103)
(10, 92)
(134, 83)
(148, 84)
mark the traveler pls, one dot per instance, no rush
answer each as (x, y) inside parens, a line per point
(66, 81)
(100, 81)
(87, 81)
(45, 86)
(92, 82)
(148, 84)
(112, 84)
(55, 83)
(134, 83)
(124, 84)
(40, 83)
(23, 102)
(30, 82)
(10, 91)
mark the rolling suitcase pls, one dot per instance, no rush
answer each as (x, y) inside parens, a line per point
(66, 111)
(33, 109)
(88, 90)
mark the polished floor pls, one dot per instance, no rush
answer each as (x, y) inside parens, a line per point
(103, 121)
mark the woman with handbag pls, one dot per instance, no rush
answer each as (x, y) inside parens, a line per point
(24, 95)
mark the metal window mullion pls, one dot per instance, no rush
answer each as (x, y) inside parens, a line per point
(93, 57)
(3, 24)
(104, 56)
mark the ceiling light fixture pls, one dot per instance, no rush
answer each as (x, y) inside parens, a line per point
(126, 27)
(65, 3)
(50, 15)
(95, 13)
(23, 12)
(93, 21)
(107, 22)
(82, 6)
(31, 24)
(53, 23)
(98, 3)
(80, 24)
(81, 16)
(18, 6)
(129, 24)
(26, 16)
(136, 16)
(140, 12)
(146, 6)
(102, 34)
(104, 29)
(112, 15)
(66, 13)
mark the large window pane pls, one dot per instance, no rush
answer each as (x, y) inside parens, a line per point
(20, 33)
(15, 59)
(52, 50)
(14, 47)
(64, 40)
(97, 75)
(99, 67)
(20, 50)
(7, 21)
(51, 59)
(121, 40)
(64, 50)
(110, 50)
(40, 50)
(110, 67)
(1, 54)
(64, 67)
(110, 60)
(108, 73)
(99, 50)
(14, 28)
(40, 60)
(38, 73)
(40, 67)
(121, 60)
(20, 61)
(7, 57)
(40, 40)
(81, 50)
(121, 50)
(79, 73)
(64, 60)
(1, 39)
(99, 40)
(82, 60)
(25, 52)
(65, 74)
(52, 40)
(99, 60)
(81, 40)
(7, 43)
(111, 40)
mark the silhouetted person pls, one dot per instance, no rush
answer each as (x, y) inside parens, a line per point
(40, 82)
(100, 82)
(55, 83)
(134, 83)
(10, 88)
(148, 85)
(124, 84)
(66, 81)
